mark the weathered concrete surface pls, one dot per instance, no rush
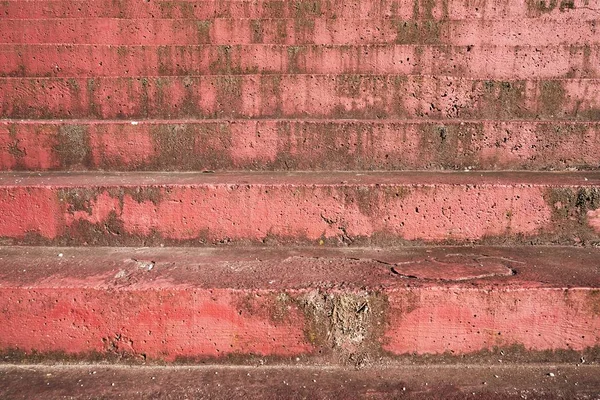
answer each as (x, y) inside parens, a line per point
(206, 9)
(330, 207)
(300, 382)
(486, 62)
(297, 145)
(352, 306)
(295, 31)
(300, 96)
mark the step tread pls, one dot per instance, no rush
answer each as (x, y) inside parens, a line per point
(495, 382)
(299, 178)
(337, 208)
(294, 268)
(334, 305)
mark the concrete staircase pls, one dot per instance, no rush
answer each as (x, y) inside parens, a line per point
(303, 184)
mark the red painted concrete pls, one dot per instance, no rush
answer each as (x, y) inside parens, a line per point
(157, 323)
(492, 62)
(223, 31)
(169, 303)
(468, 326)
(299, 145)
(199, 208)
(315, 96)
(299, 85)
(205, 9)
(405, 9)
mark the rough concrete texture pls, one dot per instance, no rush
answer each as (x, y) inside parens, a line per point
(299, 96)
(357, 306)
(297, 31)
(133, 86)
(298, 382)
(297, 145)
(342, 208)
(482, 61)
(207, 9)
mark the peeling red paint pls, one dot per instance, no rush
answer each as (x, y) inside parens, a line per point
(213, 303)
(235, 31)
(280, 86)
(594, 219)
(206, 9)
(462, 321)
(287, 144)
(159, 324)
(216, 212)
(30, 210)
(317, 96)
(550, 61)
(216, 207)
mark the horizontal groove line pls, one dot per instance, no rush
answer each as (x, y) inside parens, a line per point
(294, 177)
(491, 78)
(65, 364)
(388, 18)
(255, 75)
(50, 180)
(302, 173)
(373, 44)
(284, 46)
(252, 120)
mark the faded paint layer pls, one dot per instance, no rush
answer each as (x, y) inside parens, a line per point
(297, 145)
(167, 304)
(344, 207)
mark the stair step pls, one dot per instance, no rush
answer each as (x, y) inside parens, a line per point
(277, 207)
(486, 62)
(434, 382)
(297, 145)
(115, 31)
(206, 9)
(297, 96)
(341, 305)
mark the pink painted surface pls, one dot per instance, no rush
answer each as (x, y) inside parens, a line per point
(298, 96)
(30, 210)
(210, 303)
(206, 9)
(294, 31)
(305, 145)
(161, 324)
(594, 219)
(253, 207)
(461, 321)
(494, 62)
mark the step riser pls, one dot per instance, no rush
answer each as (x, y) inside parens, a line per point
(354, 304)
(404, 9)
(296, 31)
(300, 145)
(493, 62)
(296, 96)
(178, 323)
(297, 210)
